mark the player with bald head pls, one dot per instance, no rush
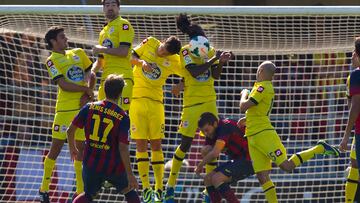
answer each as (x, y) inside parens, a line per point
(264, 143)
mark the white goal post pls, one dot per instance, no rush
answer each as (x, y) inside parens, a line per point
(311, 47)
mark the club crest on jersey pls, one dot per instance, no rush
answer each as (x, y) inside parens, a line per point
(278, 153)
(185, 52)
(53, 70)
(166, 63)
(107, 43)
(111, 30)
(125, 27)
(260, 89)
(187, 59)
(154, 74)
(203, 77)
(184, 124)
(76, 58)
(75, 73)
(63, 128)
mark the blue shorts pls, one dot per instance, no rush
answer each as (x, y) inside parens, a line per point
(236, 169)
(93, 181)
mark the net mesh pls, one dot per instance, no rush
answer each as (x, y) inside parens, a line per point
(312, 53)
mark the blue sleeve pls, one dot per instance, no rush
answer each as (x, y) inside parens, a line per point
(80, 118)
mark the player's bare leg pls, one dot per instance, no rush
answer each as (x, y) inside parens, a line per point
(49, 164)
(221, 184)
(157, 163)
(143, 162)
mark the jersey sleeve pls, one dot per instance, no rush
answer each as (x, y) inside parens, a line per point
(85, 60)
(257, 94)
(139, 49)
(124, 130)
(126, 34)
(54, 72)
(354, 83)
(212, 53)
(185, 58)
(80, 118)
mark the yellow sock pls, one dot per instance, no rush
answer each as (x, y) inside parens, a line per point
(142, 159)
(48, 168)
(157, 162)
(78, 176)
(270, 192)
(304, 156)
(351, 185)
(175, 167)
(210, 166)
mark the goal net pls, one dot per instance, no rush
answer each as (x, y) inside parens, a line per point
(311, 47)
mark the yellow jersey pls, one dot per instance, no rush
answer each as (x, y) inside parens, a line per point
(115, 33)
(149, 84)
(72, 66)
(200, 89)
(257, 117)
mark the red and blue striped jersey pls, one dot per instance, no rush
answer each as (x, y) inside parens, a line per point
(354, 89)
(236, 145)
(105, 125)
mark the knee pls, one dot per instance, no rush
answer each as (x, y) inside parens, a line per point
(205, 150)
(218, 178)
(185, 146)
(263, 177)
(353, 163)
(287, 166)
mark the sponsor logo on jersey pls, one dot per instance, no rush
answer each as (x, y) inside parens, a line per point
(184, 124)
(49, 63)
(107, 43)
(133, 128)
(125, 27)
(75, 73)
(278, 152)
(53, 70)
(56, 128)
(154, 74)
(203, 77)
(76, 58)
(260, 89)
(185, 52)
(126, 100)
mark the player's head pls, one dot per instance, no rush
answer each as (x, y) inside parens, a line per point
(55, 38)
(113, 86)
(208, 123)
(170, 46)
(355, 59)
(186, 27)
(265, 71)
(111, 8)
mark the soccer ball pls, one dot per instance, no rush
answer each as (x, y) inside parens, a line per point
(199, 46)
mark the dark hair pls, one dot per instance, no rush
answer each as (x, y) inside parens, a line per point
(52, 33)
(172, 45)
(186, 27)
(114, 85)
(117, 2)
(357, 46)
(207, 118)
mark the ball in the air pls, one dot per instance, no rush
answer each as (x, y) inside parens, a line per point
(199, 46)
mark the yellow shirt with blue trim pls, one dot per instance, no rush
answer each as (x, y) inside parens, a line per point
(200, 89)
(150, 84)
(72, 67)
(115, 33)
(257, 116)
